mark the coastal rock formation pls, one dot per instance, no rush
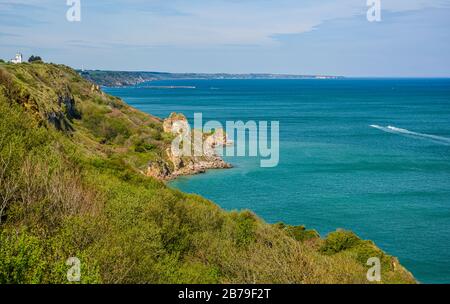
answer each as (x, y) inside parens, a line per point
(201, 156)
(158, 169)
(174, 119)
(217, 139)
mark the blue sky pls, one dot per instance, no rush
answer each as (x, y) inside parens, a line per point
(235, 36)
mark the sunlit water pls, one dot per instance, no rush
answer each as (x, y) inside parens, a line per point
(372, 156)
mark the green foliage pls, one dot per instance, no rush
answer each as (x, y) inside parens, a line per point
(143, 147)
(245, 227)
(347, 242)
(338, 241)
(106, 128)
(35, 59)
(299, 233)
(28, 259)
(78, 192)
(21, 258)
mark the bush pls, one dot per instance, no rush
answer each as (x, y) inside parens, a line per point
(338, 241)
(104, 127)
(21, 258)
(361, 250)
(299, 233)
(34, 59)
(19, 138)
(142, 147)
(245, 228)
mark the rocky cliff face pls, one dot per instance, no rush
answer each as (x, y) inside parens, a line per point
(203, 155)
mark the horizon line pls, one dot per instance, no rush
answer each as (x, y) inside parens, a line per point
(269, 73)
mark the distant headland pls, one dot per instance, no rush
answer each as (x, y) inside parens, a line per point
(124, 78)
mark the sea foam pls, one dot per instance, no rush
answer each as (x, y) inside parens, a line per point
(405, 132)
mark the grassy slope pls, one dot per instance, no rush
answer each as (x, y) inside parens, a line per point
(70, 185)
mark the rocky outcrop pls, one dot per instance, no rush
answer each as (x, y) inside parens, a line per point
(203, 156)
(59, 121)
(67, 102)
(175, 119)
(217, 139)
(198, 166)
(158, 169)
(61, 117)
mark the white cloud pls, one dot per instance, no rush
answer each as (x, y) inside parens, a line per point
(251, 22)
(194, 23)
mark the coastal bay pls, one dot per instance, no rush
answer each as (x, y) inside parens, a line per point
(335, 169)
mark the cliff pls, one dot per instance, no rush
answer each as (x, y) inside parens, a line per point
(81, 176)
(207, 158)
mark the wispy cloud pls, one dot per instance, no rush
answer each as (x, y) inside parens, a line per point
(107, 45)
(8, 35)
(16, 13)
(195, 22)
(184, 28)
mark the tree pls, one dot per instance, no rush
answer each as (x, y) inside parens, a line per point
(34, 59)
(2, 61)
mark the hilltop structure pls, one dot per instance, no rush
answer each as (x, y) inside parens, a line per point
(17, 59)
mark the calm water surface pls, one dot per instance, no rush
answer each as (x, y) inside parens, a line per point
(388, 185)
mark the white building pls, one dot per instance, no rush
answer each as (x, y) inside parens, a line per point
(18, 59)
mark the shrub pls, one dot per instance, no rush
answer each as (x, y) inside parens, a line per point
(104, 127)
(142, 147)
(338, 241)
(245, 228)
(34, 59)
(299, 233)
(21, 258)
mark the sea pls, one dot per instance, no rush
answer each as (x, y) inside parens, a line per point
(367, 155)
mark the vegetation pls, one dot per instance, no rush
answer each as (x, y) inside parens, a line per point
(71, 185)
(299, 233)
(121, 78)
(34, 59)
(118, 78)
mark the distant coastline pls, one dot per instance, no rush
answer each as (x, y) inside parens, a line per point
(124, 78)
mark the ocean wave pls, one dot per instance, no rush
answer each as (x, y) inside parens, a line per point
(405, 132)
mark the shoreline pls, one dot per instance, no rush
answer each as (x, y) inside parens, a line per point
(175, 165)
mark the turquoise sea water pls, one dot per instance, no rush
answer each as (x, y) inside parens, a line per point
(336, 171)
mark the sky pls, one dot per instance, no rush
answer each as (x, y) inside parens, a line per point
(326, 37)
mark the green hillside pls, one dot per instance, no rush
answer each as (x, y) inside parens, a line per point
(71, 185)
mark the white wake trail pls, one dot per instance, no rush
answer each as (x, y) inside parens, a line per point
(405, 132)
